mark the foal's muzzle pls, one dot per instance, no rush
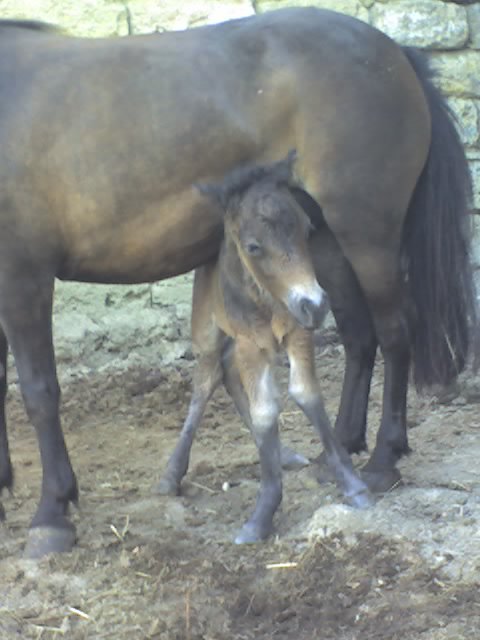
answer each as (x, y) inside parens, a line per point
(306, 307)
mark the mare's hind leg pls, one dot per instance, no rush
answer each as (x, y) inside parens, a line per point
(378, 272)
(357, 333)
(305, 391)
(249, 379)
(360, 272)
(6, 473)
(26, 316)
(207, 341)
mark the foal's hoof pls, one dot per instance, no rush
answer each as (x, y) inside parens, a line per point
(292, 460)
(361, 500)
(321, 470)
(166, 487)
(381, 481)
(249, 534)
(44, 540)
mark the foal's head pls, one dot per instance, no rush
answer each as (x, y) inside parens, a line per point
(270, 231)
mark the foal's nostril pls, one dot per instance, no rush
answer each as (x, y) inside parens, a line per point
(308, 309)
(305, 307)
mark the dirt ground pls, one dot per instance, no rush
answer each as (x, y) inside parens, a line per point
(166, 568)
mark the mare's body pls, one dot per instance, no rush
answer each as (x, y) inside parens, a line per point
(101, 140)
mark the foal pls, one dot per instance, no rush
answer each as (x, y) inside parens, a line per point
(260, 295)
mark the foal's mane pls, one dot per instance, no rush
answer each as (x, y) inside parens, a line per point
(238, 181)
(242, 178)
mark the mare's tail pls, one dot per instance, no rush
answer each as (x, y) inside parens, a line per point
(436, 246)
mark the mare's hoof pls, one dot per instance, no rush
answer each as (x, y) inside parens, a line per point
(381, 481)
(166, 487)
(250, 534)
(361, 500)
(292, 460)
(44, 540)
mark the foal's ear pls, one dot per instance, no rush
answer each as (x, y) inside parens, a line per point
(284, 169)
(213, 191)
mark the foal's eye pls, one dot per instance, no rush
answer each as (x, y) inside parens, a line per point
(253, 249)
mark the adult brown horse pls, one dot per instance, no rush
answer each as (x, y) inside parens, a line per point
(101, 140)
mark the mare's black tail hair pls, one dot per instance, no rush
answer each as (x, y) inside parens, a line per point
(436, 246)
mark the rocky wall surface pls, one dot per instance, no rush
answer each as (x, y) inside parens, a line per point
(90, 319)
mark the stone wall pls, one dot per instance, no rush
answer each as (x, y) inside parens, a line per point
(91, 320)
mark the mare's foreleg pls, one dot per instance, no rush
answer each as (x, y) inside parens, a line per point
(6, 472)
(26, 317)
(249, 379)
(304, 389)
(207, 345)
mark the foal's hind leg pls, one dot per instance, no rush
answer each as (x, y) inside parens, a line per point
(207, 377)
(26, 316)
(6, 472)
(305, 391)
(249, 379)
(207, 341)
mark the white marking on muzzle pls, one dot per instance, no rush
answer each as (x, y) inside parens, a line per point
(312, 292)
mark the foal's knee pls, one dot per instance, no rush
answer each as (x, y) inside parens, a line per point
(264, 415)
(302, 388)
(302, 394)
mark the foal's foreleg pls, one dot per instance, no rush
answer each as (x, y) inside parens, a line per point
(290, 458)
(304, 389)
(251, 371)
(207, 341)
(6, 473)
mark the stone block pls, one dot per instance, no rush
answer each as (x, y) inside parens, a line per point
(473, 15)
(429, 24)
(467, 114)
(87, 18)
(353, 8)
(475, 250)
(151, 15)
(475, 171)
(109, 17)
(458, 72)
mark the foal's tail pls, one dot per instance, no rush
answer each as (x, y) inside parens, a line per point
(436, 246)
